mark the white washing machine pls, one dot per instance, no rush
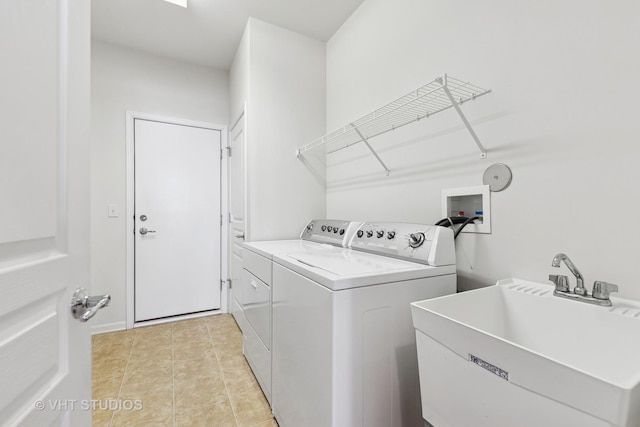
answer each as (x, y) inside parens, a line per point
(255, 289)
(343, 344)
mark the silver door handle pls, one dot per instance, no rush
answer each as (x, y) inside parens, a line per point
(144, 231)
(240, 236)
(84, 307)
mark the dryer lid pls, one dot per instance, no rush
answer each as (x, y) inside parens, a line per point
(353, 263)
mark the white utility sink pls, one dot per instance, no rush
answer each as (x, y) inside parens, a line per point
(515, 355)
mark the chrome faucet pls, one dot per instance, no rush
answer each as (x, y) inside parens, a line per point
(601, 290)
(579, 289)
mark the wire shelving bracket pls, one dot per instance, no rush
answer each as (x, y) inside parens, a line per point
(439, 95)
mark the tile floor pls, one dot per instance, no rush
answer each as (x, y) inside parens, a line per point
(187, 373)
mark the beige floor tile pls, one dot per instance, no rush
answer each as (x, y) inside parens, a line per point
(157, 362)
(225, 339)
(193, 393)
(101, 418)
(205, 367)
(115, 336)
(156, 330)
(231, 331)
(162, 338)
(187, 373)
(151, 349)
(105, 387)
(250, 408)
(157, 408)
(218, 414)
(217, 319)
(109, 366)
(151, 354)
(113, 348)
(230, 361)
(239, 381)
(186, 335)
(140, 380)
(142, 419)
(193, 350)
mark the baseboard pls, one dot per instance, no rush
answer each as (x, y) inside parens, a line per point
(109, 327)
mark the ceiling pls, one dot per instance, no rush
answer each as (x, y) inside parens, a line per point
(207, 32)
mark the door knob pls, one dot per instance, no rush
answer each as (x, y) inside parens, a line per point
(84, 307)
(144, 231)
(240, 236)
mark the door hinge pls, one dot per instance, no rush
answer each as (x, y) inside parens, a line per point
(228, 147)
(230, 282)
(221, 154)
(220, 220)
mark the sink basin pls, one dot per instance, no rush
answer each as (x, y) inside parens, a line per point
(515, 355)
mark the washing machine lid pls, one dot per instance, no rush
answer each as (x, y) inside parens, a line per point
(268, 248)
(346, 268)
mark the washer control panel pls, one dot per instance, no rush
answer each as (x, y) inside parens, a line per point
(426, 244)
(332, 231)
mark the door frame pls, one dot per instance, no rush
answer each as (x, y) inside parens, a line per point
(224, 208)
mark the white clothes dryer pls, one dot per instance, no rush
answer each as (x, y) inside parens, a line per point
(343, 343)
(254, 293)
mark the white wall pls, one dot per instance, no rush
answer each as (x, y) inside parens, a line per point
(281, 77)
(121, 80)
(562, 115)
(239, 78)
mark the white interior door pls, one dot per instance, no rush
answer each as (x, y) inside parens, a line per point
(236, 214)
(45, 354)
(177, 219)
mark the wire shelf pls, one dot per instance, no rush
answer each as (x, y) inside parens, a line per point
(440, 94)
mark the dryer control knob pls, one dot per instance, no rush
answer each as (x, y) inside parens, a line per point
(416, 239)
(323, 228)
(360, 233)
(391, 235)
(369, 233)
(380, 233)
(342, 231)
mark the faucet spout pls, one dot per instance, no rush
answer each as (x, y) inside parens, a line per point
(558, 259)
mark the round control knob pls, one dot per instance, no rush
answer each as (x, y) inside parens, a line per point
(391, 235)
(369, 233)
(309, 227)
(342, 231)
(379, 233)
(323, 228)
(360, 233)
(335, 229)
(416, 239)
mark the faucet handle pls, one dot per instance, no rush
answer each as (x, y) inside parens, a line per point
(601, 290)
(561, 282)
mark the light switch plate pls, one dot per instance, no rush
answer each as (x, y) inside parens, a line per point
(112, 210)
